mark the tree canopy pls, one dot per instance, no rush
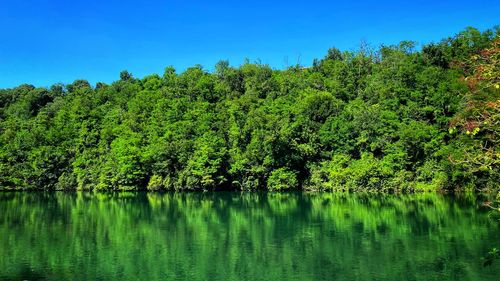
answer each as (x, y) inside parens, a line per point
(395, 118)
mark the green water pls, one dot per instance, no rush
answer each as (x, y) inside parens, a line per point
(249, 236)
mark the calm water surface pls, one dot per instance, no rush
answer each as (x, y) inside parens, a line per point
(249, 236)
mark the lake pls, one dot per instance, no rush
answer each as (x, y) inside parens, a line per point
(244, 236)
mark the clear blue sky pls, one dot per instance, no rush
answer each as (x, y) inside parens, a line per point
(45, 42)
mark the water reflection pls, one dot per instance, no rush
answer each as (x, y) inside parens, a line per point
(243, 236)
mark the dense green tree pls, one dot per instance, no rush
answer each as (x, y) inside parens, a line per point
(396, 118)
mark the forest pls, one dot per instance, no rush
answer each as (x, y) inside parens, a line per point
(397, 118)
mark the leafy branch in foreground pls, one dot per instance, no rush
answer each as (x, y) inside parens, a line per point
(480, 119)
(493, 255)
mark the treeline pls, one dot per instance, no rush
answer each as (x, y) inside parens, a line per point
(395, 118)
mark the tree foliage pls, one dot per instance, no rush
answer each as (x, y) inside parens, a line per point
(396, 118)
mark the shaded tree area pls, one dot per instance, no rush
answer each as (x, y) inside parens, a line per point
(390, 119)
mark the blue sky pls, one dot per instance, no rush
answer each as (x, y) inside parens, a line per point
(51, 41)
